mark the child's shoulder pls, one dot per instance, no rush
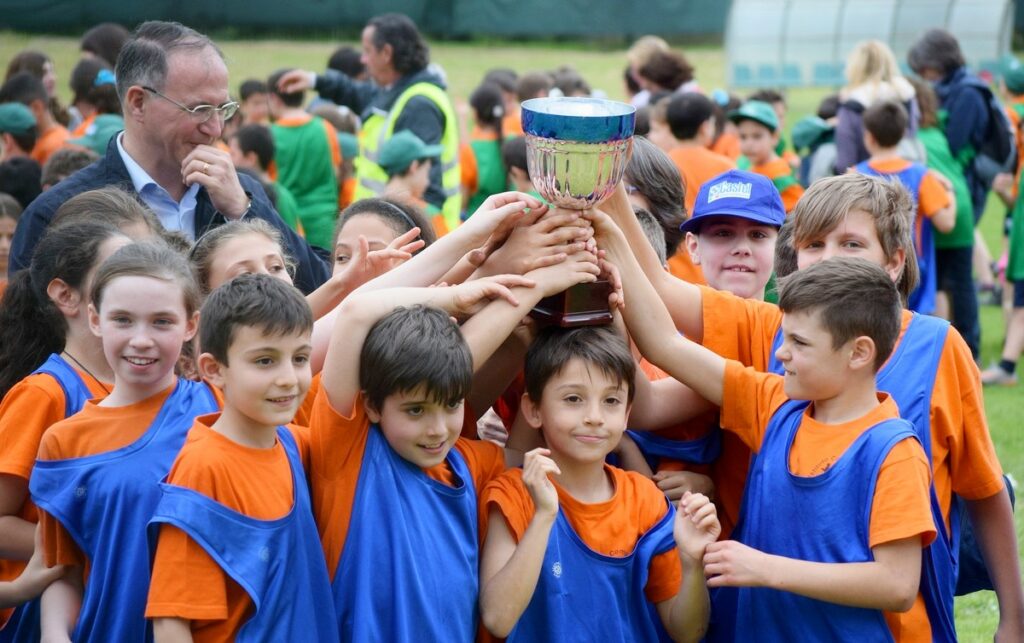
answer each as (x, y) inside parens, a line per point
(486, 460)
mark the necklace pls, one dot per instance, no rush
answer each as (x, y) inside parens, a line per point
(87, 371)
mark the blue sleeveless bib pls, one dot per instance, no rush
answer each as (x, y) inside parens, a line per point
(279, 563)
(922, 300)
(105, 501)
(702, 450)
(409, 570)
(827, 519)
(23, 626)
(585, 596)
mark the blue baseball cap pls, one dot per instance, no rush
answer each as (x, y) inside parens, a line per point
(736, 193)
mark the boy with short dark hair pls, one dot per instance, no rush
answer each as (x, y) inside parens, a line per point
(252, 148)
(238, 553)
(407, 160)
(884, 125)
(590, 552)
(834, 463)
(306, 157)
(691, 119)
(252, 97)
(758, 126)
(386, 443)
(28, 90)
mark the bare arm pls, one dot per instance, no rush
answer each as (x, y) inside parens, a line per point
(35, 578)
(60, 605)
(992, 519)
(172, 630)
(664, 403)
(696, 526)
(508, 570)
(890, 582)
(683, 299)
(651, 326)
(15, 532)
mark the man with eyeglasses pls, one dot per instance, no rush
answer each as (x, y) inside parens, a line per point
(173, 87)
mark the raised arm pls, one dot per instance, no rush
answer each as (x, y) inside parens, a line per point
(683, 299)
(651, 326)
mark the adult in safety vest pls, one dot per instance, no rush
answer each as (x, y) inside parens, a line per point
(402, 95)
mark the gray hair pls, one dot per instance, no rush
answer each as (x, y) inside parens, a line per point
(143, 59)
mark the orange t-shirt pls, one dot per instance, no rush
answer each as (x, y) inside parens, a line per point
(728, 145)
(186, 582)
(83, 127)
(611, 528)
(31, 407)
(512, 125)
(901, 507)
(697, 165)
(49, 142)
(682, 267)
(963, 458)
(337, 446)
(470, 173)
(778, 168)
(931, 195)
(305, 410)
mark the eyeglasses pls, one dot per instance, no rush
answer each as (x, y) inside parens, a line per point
(200, 113)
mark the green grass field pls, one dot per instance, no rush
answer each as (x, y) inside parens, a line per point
(465, 65)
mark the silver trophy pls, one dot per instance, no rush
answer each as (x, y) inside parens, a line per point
(576, 151)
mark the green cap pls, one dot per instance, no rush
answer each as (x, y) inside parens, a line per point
(1013, 74)
(402, 149)
(349, 145)
(15, 118)
(808, 130)
(758, 111)
(99, 133)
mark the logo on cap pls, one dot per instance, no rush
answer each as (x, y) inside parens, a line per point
(729, 189)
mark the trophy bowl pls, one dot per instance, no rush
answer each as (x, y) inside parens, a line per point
(576, 152)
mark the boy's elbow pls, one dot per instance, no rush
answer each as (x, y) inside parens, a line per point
(904, 594)
(496, 620)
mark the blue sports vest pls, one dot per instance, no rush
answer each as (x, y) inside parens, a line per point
(409, 570)
(23, 626)
(585, 596)
(702, 450)
(909, 377)
(105, 501)
(279, 563)
(922, 300)
(827, 519)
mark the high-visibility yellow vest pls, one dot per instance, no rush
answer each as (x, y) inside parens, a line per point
(381, 125)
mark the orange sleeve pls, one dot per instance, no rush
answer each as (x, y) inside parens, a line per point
(902, 504)
(186, 582)
(306, 409)
(737, 328)
(337, 445)
(301, 435)
(665, 576)
(931, 195)
(665, 572)
(960, 430)
(59, 548)
(681, 266)
(791, 195)
(469, 169)
(29, 408)
(509, 496)
(486, 460)
(749, 398)
(332, 143)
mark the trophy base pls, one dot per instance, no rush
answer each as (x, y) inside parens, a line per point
(580, 305)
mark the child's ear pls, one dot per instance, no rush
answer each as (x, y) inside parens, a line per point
(896, 264)
(192, 326)
(862, 353)
(371, 412)
(64, 297)
(210, 369)
(94, 321)
(693, 247)
(530, 411)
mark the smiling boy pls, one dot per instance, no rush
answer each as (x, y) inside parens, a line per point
(237, 492)
(578, 550)
(758, 127)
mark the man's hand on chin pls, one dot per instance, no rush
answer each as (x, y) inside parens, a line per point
(212, 168)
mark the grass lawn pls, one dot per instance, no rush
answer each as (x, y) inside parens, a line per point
(465, 65)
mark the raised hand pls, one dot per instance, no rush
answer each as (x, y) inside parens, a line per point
(366, 265)
(541, 239)
(212, 168)
(537, 466)
(580, 267)
(498, 216)
(696, 527)
(295, 80)
(469, 297)
(676, 483)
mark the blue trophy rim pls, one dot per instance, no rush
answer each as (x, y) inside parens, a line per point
(585, 120)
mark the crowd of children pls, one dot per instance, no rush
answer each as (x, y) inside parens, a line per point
(778, 437)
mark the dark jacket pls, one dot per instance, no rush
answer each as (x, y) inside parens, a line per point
(420, 115)
(966, 125)
(311, 271)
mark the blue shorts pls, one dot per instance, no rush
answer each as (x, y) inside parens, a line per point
(1018, 294)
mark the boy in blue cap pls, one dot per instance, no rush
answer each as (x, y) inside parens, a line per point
(758, 127)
